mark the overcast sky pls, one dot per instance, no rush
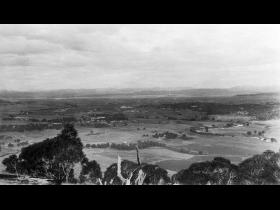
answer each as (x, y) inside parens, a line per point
(43, 57)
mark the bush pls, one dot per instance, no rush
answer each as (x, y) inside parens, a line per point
(219, 171)
(101, 146)
(10, 145)
(261, 169)
(91, 172)
(273, 140)
(257, 170)
(154, 174)
(166, 135)
(111, 176)
(130, 146)
(12, 164)
(22, 144)
(185, 137)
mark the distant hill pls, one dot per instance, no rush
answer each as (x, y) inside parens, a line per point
(259, 94)
(273, 97)
(91, 93)
(5, 102)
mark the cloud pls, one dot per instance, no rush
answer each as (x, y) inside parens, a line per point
(81, 56)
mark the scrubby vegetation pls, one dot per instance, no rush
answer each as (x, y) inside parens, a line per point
(127, 146)
(218, 171)
(61, 159)
(91, 172)
(260, 111)
(30, 127)
(130, 171)
(185, 137)
(260, 169)
(166, 135)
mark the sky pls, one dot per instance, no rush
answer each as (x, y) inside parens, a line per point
(48, 57)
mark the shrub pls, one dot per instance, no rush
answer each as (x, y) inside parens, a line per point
(22, 144)
(219, 171)
(185, 137)
(257, 170)
(261, 169)
(12, 164)
(273, 140)
(154, 174)
(91, 172)
(130, 170)
(111, 176)
(166, 135)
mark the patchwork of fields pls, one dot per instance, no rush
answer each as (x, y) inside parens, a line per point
(235, 148)
(144, 120)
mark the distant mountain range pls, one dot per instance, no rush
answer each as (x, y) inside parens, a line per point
(88, 93)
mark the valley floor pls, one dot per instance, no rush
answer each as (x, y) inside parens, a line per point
(234, 145)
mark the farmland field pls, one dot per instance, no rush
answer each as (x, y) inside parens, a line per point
(226, 136)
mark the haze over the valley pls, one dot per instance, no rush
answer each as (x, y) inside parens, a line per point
(51, 57)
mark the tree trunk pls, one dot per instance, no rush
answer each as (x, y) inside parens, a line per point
(138, 157)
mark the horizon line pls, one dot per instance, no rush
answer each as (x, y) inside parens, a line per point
(146, 88)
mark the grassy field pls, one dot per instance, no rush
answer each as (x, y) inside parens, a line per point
(234, 148)
(144, 119)
(106, 157)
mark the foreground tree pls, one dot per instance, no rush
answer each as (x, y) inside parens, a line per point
(53, 158)
(91, 172)
(257, 170)
(261, 169)
(220, 171)
(11, 164)
(128, 171)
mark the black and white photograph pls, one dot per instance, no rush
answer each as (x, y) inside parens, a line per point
(139, 104)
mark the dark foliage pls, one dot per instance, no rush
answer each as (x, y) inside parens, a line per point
(258, 170)
(116, 117)
(63, 120)
(249, 133)
(153, 173)
(185, 137)
(11, 164)
(166, 135)
(125, 146)
(100, 146)
(218, 171)
(261, 169)
(110, 175)
(260, 111)
(91, 171)
(29, 127)
(53, 158)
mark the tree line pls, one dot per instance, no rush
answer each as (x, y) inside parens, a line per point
(127, 146)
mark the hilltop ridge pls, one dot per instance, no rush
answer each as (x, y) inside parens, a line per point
(178, 92)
